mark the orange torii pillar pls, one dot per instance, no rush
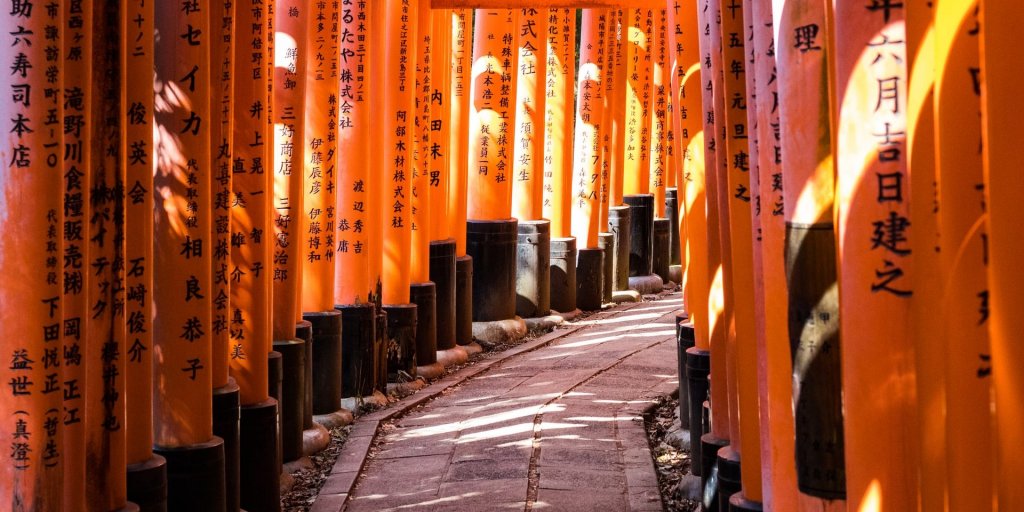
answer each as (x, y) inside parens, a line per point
(688, 154)
(745, 478)
(76, 41)
(377, 12)
(225, 390)
(490, 232)
(460, 61)
(659, 162)
(146, 471)
(618, 222)
(31, 180)
(437, 164)
(586, 161)
(558, 147)
(182, 327)
(317, 220)
(400, 28)
(963, 232)
(639, 68)
(605, 238)
(675, 200)
(423, 291)
(929, 355)
(1002, 132)
(357, 204)
(874, 256)
(533, 254)
(776, 369)
(810, 251)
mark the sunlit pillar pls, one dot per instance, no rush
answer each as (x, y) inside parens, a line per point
(558, 120)
(182, 289)
(963, 232)
(460, 62)
(606, 238)
(1002, 134)
(31, 186)
(874, 255)
(659, 163)
(639, 68)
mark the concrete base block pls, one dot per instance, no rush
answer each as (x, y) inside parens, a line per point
(315, 439)
(472, 349)
(338, 418)
(646, 285)
(543, 323)
(499, 331)
(675, 273)
(621, 296)
(569, 316)
(452, 357)
(430, 371)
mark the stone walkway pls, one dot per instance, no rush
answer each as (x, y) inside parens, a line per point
(557, 427)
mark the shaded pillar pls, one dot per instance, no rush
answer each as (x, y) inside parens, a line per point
(460, 60)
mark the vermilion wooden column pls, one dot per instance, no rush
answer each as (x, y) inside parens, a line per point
(586, 156)
(460, 61)
(929, 355)
(618, 97)
(558, 121)
(182, 325)
(609, 43)
(638, 75)
(528, 161)
(874, 286)
(440, 153)
(658, 164)
(31, 182)
(77, 42)
(808, 197)
(963, 234)
(1002, 132)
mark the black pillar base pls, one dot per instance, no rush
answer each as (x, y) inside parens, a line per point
(357, 370)
(684, 341)
(672, 212)
(442, 273)
(606, 241)
(492, 244)
(641, 229)
(195, 476)
(619, 226)
(304, 332)
(660, 256)
(709, 446)
(147, 484)
(698, 368)
(260, 457)
(533, 269)
(738, 503)
(225, 426)
(402, 322)
(464, 300)
(729, 483)
(563, 274)
(589, 278)
(381, 344)
(291, 399)
(274, 370)
(424, 351)
(327, 359)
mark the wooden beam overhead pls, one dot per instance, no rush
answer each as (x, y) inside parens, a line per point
(516, 4)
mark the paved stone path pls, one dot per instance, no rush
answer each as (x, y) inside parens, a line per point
(556, 428)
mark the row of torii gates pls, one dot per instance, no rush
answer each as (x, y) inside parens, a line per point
(367, 178)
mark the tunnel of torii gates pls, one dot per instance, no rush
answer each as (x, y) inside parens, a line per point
(222, 219)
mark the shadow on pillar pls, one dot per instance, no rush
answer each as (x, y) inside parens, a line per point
(563, 274)
(195, 476)
(260, 458)
(533, 269)
(492, 245)
(357, 364)
(147, 484)
(400, 351)
(423, 352)
(327, 360)
(619, 226)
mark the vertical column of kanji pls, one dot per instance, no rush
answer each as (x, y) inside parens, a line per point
(635, 172)
(801, 36)
(658, 112)
(250, 223)
(607, 137)
(460, 67)
(146, 471)
(182, 325)
(586, 161)
(742, 334)
(104, 383)
(77, 55)
(31, 209)
(963, 226)
(674, 190)
(777, 448)
(533, 273)
(874, 290)
(561, 72)
(1002, 132)
(929, 355)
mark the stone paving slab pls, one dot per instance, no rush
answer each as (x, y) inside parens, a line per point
(555, 424)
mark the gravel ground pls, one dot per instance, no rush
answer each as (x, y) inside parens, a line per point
(671, 459)
(308, 481)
